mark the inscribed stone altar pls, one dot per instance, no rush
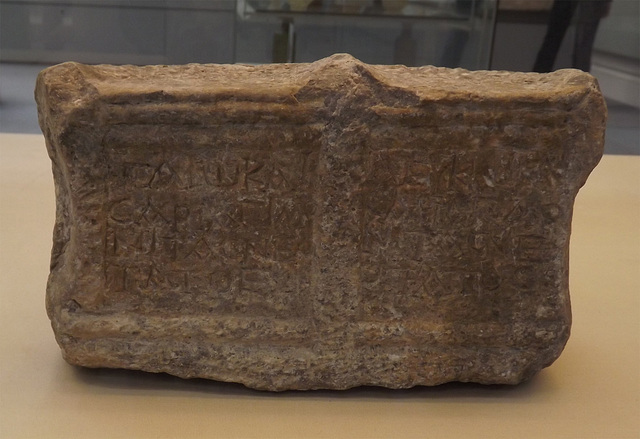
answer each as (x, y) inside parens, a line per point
(322, 225)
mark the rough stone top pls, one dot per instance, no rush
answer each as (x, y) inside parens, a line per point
(292, 83)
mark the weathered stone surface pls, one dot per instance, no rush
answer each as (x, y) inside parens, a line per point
(322, 225)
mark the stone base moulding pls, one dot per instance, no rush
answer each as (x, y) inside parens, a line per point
(324, 225)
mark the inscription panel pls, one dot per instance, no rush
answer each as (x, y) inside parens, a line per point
(462, 230)
(223, 227)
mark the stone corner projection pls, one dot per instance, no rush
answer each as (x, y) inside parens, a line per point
(315, 226)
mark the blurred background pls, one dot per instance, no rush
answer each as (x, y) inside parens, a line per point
(473, 34)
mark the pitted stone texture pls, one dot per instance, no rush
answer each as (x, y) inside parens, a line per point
(322, 225)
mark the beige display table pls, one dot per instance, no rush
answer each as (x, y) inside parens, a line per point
(592, 391)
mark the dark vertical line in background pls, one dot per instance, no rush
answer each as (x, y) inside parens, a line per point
(493, 34)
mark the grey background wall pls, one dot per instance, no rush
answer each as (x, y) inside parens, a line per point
(138, 32)
(619, 33)
(616, 61)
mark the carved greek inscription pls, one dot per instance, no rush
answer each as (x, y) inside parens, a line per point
(449, 227)
(222, 226)
(228, 223)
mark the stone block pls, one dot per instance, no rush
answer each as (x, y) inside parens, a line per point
(325, 225)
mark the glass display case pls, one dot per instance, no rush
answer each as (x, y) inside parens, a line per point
(413, 32)
(450, 33)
